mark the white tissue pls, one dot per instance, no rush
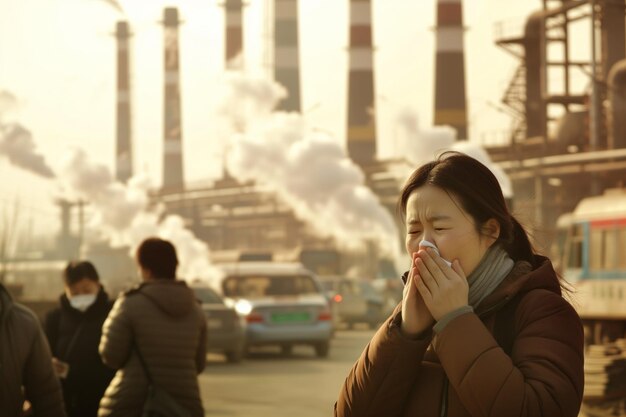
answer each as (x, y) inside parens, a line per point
(427, 244)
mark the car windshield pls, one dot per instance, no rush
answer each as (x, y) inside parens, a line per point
(256, 286)
(207, 296)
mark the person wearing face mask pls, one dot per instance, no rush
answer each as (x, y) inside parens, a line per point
(74, 330)
(483, 328)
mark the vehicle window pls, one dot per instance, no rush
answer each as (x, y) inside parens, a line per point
(262, 286)
(610, 249)
(622, 247)
(207, 296)
(596, 249)
(574, 258)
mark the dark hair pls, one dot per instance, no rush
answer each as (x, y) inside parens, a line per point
(76, 271)
(159, 257)
(478, 192)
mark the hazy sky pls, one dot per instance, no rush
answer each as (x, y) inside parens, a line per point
(58, 58)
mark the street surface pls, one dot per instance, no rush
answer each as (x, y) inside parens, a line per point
(269, 384)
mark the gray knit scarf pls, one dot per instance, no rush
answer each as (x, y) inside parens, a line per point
(491, 270)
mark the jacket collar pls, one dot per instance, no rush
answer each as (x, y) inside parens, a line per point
(523, 278)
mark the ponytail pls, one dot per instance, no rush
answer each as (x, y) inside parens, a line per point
(518, 246)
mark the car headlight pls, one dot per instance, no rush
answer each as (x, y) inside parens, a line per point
(243, 307)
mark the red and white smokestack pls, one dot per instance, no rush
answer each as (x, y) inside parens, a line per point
(450, 107)
(234, 34)
(361, 119)
(172, 129)
(124, 149)
(286, 52)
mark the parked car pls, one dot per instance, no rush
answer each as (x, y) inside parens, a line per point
(226, 330)
(283, 304)
(354, 301)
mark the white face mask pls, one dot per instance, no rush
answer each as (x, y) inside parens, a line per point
(83, 301)
(427, 244)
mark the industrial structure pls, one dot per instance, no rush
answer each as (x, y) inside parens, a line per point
(361, 133)
(233, 31)
(246, 220)
(568, 139)
(172, 123)
(124, 148)
(450, 100)
(287, 52)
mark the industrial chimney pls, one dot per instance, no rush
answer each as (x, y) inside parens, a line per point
(124, 149)
(534, 105)
(172, 127)
(450, 107)
(286, 52)
(234, 34)
(617, 106)
(361, 121)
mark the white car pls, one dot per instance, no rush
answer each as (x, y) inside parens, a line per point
(283, 304)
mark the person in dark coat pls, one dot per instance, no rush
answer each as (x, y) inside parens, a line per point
(27, 380)
(162, 321)
(74, 330)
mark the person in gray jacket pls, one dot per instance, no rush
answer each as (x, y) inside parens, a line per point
(162, 319)
(26, 374)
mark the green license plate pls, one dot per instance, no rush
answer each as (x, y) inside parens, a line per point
(290, 317)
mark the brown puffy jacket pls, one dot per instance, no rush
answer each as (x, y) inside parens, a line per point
(163, 318)
(25, 363)
(520, 354)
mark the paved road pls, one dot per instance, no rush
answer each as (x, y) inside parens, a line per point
(268, 384)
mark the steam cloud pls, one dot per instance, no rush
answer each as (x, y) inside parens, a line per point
(424, 145)
(16, 142)
(309, 169)
(122, 213)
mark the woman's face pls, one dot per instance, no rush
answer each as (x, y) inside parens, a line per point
(432, 215)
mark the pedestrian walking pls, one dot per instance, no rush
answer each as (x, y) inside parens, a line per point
(28, 384)
(155, 337)
(74, 330)
(483, 328)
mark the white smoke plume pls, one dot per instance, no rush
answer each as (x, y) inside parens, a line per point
(122, 214)
(309, 169)
(16, 142)
(424, 145)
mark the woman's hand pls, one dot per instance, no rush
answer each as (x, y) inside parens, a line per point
(443, 288)
(416, 317)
